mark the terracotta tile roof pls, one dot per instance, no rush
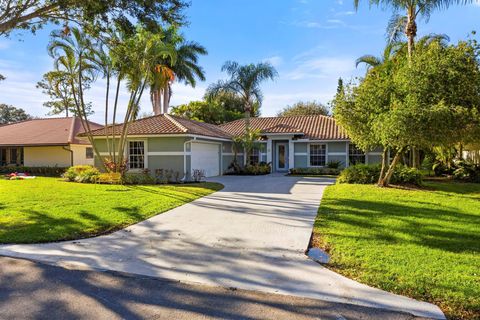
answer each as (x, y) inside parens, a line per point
(315, 127)
(166, 124)
(48, 131)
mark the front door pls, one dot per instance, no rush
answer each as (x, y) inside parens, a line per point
(282, 157)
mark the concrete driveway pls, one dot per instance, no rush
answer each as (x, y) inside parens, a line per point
(250, 235)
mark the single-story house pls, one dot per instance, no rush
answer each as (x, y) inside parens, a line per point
(170, 142)
(51, 142)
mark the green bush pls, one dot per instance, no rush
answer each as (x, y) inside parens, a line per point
(334, 164)
(369, 174)
(360, 174)
(315, 171)
(82, 174)
(138, 178)
(34, 171)
(406, 175)
(261, 168)
(466, 171)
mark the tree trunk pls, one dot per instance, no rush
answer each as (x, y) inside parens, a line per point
(411, 30)
(385, 181)
(156, 101)
(166, 99)
(384, 165)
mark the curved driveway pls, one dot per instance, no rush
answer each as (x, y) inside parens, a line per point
(250, 235)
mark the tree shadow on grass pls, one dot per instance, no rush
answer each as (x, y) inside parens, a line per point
(439, 228)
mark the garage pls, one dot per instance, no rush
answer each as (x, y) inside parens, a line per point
(206, 156)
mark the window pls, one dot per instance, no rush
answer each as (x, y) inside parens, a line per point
(355, 155)
(136, 154)
(89, 153)
(318, 155)
(13, 156)
(254, 156)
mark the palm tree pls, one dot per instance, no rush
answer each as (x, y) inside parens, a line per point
(393, 48)
(184, 68)
(413, 9)
(372, 61)
(244, 82)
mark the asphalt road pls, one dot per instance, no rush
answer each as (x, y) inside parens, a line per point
(32, 290)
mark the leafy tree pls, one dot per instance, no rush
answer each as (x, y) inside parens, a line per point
(10, 114)
(55, 84)
(34, 14)
(244, 82)
(302, 108)
(431, 100)
(184, 68)
(209, 112)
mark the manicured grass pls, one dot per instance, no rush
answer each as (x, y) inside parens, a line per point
(49, 209)
(421, 243)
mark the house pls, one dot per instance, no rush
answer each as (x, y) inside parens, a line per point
(45, 142)
(170, 142)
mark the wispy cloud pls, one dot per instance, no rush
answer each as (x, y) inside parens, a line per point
(274, 60)
(322, 67)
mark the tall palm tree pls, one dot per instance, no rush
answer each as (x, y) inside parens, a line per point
(184, 68)
(413, 9)
(245, 81)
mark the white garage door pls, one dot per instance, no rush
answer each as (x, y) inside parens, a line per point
(206, 156)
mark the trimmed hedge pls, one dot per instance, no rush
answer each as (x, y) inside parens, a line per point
(315, 171)
(369, 174)
(34, 171)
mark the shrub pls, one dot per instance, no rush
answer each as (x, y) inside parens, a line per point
(34, 171)
(198, 175)
(110, 178)
(138, 178)
(360, 174)
(369, 174)
(315, 171)
(82, 174)
(165, 176)
(407, 175)
(261, 168)
(466, 171)
(334, 164)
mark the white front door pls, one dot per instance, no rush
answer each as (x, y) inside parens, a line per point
(281, 162)
(206, 156)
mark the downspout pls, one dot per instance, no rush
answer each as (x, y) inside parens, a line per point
(71, 154)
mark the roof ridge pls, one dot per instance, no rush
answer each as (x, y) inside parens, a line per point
(175, 122)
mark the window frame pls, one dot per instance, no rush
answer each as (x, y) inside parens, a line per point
(88, 151)
(145, 155)
(356, 155)
(310, 154)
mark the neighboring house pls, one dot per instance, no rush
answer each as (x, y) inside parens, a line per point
(45, 142)
(174, 143)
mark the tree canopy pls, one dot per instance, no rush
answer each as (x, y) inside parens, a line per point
(10, 114)
(98, 15)
(432, 99)
(304, 108)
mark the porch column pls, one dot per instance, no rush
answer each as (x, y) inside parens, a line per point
(269, 150)
(291, 154)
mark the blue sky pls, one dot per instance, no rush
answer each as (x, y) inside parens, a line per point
(311, 43)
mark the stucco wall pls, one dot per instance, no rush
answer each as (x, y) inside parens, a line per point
(46, 157)
(79, 154)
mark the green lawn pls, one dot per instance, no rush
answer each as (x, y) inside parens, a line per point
(421, 243)
(49, 209)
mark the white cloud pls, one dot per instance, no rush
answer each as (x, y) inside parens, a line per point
(274, 60)
(322, 67)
